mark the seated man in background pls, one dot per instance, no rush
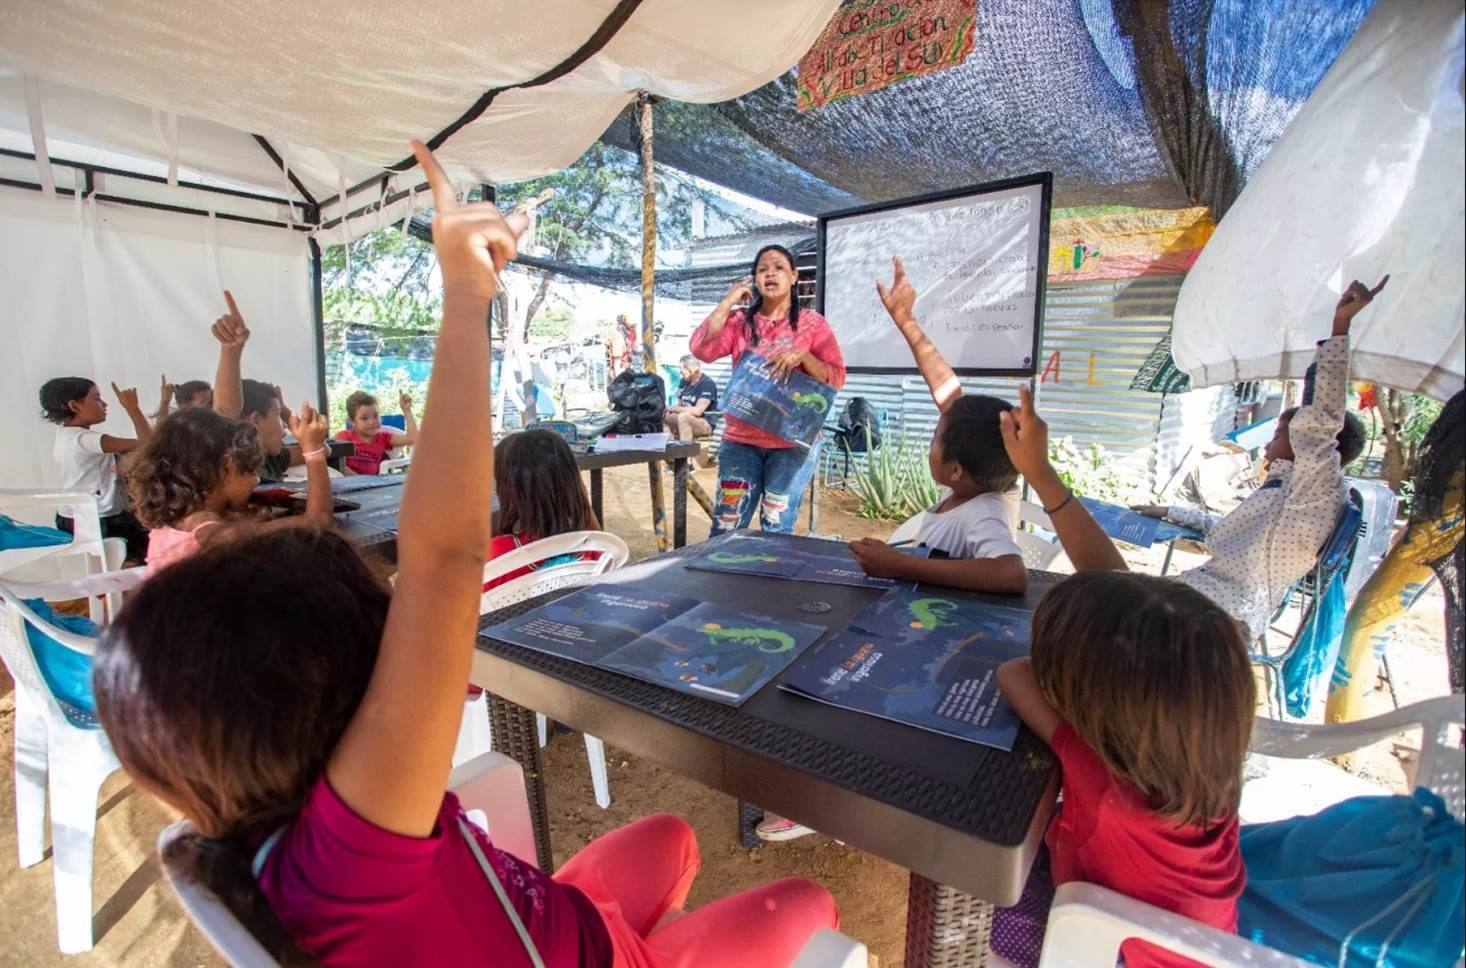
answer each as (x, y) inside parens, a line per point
(697, 395)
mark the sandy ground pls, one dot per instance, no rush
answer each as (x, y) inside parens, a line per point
(138, 924)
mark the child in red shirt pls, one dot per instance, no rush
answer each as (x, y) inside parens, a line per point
(1143, 689)
(371, 438)
(540, 495)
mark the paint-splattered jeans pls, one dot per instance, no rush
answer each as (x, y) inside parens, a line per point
(750, 477)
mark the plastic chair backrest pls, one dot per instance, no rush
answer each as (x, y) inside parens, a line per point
(1087, 924)
(396, 421)
(573, 571)
(907, 530)
(1442, 765)
(44, 505)
(209, 914)
(15, 648)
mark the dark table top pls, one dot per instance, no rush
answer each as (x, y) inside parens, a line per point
(959, 813)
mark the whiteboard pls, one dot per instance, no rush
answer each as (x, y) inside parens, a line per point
(978, 259)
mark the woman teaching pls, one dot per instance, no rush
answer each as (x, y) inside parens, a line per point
(757, 469)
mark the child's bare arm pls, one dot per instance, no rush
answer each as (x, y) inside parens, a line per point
(1005, 574)
(900, 302)
(408, 436)
(232, 334)
(1026, 438)
(392, 763)
(1019, 687)
(121, 445)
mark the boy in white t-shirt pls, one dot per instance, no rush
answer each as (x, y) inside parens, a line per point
(88, 457)
(969, 531)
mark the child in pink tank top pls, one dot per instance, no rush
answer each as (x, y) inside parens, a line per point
(191, 481)
(303, 719)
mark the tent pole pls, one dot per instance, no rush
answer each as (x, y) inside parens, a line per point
(648, 292)
(318, 322)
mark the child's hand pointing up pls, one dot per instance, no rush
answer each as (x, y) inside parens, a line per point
(473, 242)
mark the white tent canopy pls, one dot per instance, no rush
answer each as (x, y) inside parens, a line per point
(1367, 180)
(336, 89)
(274, 120)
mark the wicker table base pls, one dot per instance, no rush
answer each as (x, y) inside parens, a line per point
(945, 928)
(517, 737)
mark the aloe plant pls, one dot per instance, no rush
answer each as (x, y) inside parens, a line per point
(893, 481)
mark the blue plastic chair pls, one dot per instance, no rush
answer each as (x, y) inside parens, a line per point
(1334, 561)
(396, 421)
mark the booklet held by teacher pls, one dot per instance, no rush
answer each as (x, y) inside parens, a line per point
(793, 408)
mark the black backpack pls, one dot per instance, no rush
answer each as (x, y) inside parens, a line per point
(858, 418)
(641, 399)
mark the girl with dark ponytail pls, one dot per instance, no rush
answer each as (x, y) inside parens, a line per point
(758, 470)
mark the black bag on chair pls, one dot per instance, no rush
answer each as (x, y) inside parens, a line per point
(856, 419)
(641, 399)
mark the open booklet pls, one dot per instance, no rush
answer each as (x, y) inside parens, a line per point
(793, 408)
(1128, 526)
(827, 562)
(923, 659)
(702, 648)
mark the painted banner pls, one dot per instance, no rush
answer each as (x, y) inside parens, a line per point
(872, 44)
(1126, 244)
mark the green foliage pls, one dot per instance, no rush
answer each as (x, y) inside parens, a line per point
(391, 285)
(555, 323)
(1088, 472)
(1421, 411)
(893, 481)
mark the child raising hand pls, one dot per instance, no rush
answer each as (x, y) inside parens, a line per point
(191, 481)
(310, 743)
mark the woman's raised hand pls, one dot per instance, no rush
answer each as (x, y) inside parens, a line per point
(474, 242)
(738, 293)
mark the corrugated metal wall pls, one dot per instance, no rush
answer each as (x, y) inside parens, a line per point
(1096, 336)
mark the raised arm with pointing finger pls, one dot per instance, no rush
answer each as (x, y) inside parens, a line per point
(900, 303)
(232, 334)
(391, 765)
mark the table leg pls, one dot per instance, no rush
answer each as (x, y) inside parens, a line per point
(812, 502)
(945, 928)
(1170, 550)
(749, 816)
(595, 496)
(517, 737)
(679, 502)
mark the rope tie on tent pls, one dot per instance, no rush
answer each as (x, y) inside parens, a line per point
(38, 135)
(165, 126)
(211, 241)
(411, 206)
(345, 230)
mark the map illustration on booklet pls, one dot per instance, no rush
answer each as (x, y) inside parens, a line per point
(793, 408)
(924, 660)
(701, 648)
(827, 562)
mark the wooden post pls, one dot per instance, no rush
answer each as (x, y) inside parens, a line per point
(648, 295)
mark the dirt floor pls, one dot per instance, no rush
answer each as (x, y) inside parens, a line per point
(138, 924)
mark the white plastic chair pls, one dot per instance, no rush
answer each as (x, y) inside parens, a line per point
(1088, 923)
(573, 571)
(87, 552)
(58, 750)
(491, 789)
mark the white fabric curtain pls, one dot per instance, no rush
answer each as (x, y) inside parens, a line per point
(1367, 180)
(114, 293)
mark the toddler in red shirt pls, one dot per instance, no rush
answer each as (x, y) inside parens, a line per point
(1143, 689)
(371, 438)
